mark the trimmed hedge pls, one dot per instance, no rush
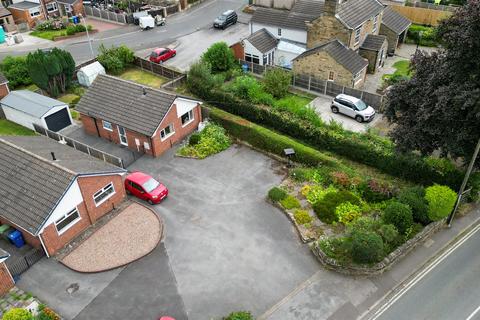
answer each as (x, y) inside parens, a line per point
(368, 149)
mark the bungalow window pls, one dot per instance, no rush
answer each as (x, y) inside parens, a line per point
(375, 24)
(167, 132)
(103, 194)
(331, 76)
(252, 58)
(34, 12)
(279, 32)
(357, 35)
(52, 6)
(107, 125)
(187, 118)
(68, 220)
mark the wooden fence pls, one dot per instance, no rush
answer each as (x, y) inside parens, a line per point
(106, 15)
(315, 85)
(424, 16)
(158, 69)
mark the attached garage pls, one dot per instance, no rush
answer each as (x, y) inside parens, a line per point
(27, 108)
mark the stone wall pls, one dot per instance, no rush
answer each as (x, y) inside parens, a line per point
(386, 263)
(392, 38)
(326, 28)
(374, 57)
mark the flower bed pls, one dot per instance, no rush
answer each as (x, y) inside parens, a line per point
(211, 140)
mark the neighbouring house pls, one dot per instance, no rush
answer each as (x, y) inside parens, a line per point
(374, 49)
(71, 7)
(141, 118)
(260, 47)
(28, 108)
(277, 4)
(4, 89)
(28, 12)
(53, 192)
(394, 26)
(333, 61)
(6, 20)
(6, 279)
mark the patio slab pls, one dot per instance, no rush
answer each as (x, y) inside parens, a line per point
(132, 234)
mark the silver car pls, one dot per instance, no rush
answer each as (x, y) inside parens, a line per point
(352, 107)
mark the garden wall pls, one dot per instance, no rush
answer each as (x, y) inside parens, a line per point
(424, 16)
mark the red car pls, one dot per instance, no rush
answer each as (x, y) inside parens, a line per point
(143, 186)
(160, 55)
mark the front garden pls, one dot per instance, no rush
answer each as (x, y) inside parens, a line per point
(209, 141)
(52, 29)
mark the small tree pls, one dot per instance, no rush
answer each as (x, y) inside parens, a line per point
(16, 71)
(400, 215)
(367, 247)
(220, 57)
(200, 79)
(17, 314)
(277, 82)
(115, 59)
(441, 200)
(415, 198)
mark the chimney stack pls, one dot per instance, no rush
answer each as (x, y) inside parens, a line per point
(144, 91)
(331, 7)
(53, 156)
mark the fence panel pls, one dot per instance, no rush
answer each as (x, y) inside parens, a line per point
(20, 265)
(353, 92)
(258, 69)
(333, 89)
(317, 85)
(373, 100)
(88, 10)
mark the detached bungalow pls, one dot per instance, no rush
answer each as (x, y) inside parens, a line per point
(140, 118)
(51, 192)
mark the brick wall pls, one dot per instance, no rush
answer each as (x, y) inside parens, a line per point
(238, 50)
(29, 238)
(90, 185)
(6, 281)
(20, 16)
(8, 23)
(326, 28)
(4, 90)
(374, 57)
(78, 8)
(53, 241)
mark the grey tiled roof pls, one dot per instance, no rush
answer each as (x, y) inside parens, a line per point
(124, 103)
(395, 21)
(373, 42)
(263, 40)
(30, 187)
(354, 13)
(348, 58)
(30, 102)
(24, 5)
(3, 79)
(67, 1)
(4, 12)
(313, 8)
(67, 157)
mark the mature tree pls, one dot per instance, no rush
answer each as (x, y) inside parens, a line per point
(439, 107)
(16, 71)
(51, 71)
(220, 57)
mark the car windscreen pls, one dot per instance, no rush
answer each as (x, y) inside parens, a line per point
(360, 105)
(222, 18)
(150, 185)
(153, 54)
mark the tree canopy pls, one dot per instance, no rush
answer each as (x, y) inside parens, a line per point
(439, 107)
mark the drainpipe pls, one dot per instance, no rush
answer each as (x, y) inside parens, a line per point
(151, 146)
(43, 245)
(96, 127)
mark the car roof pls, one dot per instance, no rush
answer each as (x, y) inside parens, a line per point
(347, 97)
(226, 13)
(159, 49)
(138, 177)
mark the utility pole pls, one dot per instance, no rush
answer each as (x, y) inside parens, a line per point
(88, 35)
(464, 183)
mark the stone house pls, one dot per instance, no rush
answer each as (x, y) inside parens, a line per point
(54, 192)
(141, 118)
(394, 26)
(333, 61)
(374, 49)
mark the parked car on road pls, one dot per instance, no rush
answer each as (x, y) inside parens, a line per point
(145, 187)
(160, 55)
(226, 19)
(352, 107)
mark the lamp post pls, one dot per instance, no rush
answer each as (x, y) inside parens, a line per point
(419, 39)
(88, 35)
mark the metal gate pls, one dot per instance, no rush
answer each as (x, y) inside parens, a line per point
(20, 265)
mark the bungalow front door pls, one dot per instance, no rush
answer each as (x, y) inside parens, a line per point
(123, 136)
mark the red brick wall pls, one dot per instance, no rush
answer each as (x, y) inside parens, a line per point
(6, 281)
(238, 50)
(78, 8)
(90, 185)
(29, 238)
(20, 16)
(180, 132)
(53, 241)
(3, 90)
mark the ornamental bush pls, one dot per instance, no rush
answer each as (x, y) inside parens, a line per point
(325, 208)
(115, 59)
(375, 190)
(16, 71)
(340, 179)
(302, 216)
(441, 200)
(290, 202)
(414, 197)
(71, 30)
(17, 314)
(398, 214)
(239, 315)
(194, 139)
(367, 247)
(220, 57)
(277, 82)
(315, 193)
(212, 140)
(276, 194)
(347, 212)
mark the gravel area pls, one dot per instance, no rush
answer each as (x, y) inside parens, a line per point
(132, 234)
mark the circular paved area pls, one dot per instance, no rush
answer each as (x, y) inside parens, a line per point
(132, 234)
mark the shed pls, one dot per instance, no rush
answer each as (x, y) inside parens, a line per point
(87, 74)
(28, 108)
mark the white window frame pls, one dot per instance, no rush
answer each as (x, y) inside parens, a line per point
(279, 32)
(106, 127)
(101, 191)
(358, 33)
(35, 13)
(166, 136)
(52, 4)
(191, 117)
(357, 77)
(375, 24)
(71, 224)
(250, 57)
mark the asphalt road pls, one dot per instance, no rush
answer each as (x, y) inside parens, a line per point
(449, 290)
(181, 24)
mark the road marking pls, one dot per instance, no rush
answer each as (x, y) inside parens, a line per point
(470, 317)
(421, 275)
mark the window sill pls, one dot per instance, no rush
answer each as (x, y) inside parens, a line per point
(111, 130)
(104, 199)
(167, 136)
(71, 224)
(187, 123)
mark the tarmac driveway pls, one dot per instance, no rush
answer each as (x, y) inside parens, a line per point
(229, 249)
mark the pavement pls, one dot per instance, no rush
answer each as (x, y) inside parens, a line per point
(117, 243)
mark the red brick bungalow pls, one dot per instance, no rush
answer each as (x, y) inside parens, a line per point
(49, 198)
(141, 118)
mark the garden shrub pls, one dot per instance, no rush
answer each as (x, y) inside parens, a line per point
(250, 89)
(412, 231)
(219, 56)
(276, 194)
(290, 202)
(47, 314)
(302, 216)
(338, 248)
(115, 59)
(16, 71)
(80, 28)
(71, 30)
(325, 208)
(200, 78)
(239, 315)
(315, 193)
(367, 247)
(277, 82)
(441, 200)
(364, 224)
(17, 314)
(398, 214)
(213, 139)
(340, 179)
(194, 139)
(374, 190)
(298, 107)
(347, 212)
(414, 197)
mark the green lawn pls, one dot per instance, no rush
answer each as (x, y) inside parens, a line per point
(143, 77)
(49, 34)
(69, 98)
(297, 99)
(8, 128)
(401, 69)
